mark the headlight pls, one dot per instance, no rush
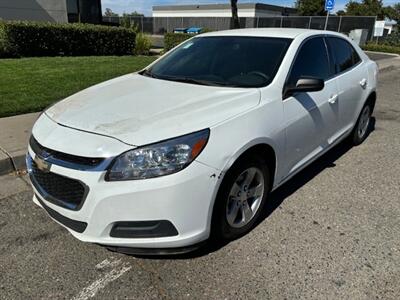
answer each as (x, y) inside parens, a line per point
(158, 159)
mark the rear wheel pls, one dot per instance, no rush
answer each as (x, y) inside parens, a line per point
(361, 129)
(241, 198)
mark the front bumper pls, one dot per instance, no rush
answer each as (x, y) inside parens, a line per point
(184, 199)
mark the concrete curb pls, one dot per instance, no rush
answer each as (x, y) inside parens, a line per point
(14, 136)
(389, 64)
(15, 161)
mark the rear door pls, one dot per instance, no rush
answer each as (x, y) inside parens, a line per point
(311, 118)
(351, 76)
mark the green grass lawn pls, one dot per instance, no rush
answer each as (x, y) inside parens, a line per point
(32, 84)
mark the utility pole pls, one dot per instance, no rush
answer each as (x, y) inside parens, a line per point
(326, 20)
(235, 17)
(329, 5)
(78, 10)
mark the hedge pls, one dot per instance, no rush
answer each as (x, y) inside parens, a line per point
(3, 44)
(381, 48)
(174, 39)
(392, 39)
(50, 39)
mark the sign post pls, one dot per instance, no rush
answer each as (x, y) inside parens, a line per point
(329, 5)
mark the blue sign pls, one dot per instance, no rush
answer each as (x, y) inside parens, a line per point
(329, 4)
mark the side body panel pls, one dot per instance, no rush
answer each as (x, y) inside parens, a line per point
(310, 120)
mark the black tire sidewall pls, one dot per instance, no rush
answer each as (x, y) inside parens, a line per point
(220, 229)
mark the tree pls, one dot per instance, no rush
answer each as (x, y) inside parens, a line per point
(131, 20)
(109, 13)
(373, 8)
(133, 14)
(392, 12)
(340, 12)
(235, 17)
(311, 7)
(366, 8)
(136, 14)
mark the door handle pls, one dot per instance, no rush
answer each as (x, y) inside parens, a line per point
(332, 99)
(363, 83)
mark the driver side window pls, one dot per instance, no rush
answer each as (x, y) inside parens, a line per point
(311, 61)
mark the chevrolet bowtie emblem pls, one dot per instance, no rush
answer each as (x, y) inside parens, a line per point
(42, 164)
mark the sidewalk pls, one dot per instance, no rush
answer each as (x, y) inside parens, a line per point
(14, 136)
(15, 131)
(384, 60)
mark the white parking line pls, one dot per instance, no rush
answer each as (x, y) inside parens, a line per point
(107, 264)
(117, 271)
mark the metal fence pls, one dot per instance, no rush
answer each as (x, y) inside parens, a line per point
(161, 25)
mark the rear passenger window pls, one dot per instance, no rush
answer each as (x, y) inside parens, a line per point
(344, 55)
(311, 61)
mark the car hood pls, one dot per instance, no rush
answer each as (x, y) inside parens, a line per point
(139, 110)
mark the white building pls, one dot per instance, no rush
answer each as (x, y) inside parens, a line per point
(34, 10)
(389, 25)
(222, 10)
(59, 11)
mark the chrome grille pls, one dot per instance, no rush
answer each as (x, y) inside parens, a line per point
(68, 160)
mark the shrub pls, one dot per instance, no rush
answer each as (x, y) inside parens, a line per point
(381, 48)
(143, 44)
(2, 41)
(51, 39)
(127, 22)
(174, 39)
(4, 46)
(392, 39)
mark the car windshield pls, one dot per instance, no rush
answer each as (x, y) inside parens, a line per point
(232, 61)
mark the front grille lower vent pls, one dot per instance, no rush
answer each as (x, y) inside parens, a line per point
(60, 190)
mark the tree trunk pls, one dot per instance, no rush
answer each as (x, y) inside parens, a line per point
(235, 17)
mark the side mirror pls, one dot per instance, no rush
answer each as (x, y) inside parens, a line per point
(305, 85)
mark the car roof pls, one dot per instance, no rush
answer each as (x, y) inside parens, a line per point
(290, 33)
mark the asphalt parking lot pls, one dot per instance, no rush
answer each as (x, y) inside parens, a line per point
(333, 232)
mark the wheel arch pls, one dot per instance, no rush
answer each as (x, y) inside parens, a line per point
(265, 148)
(371, 99)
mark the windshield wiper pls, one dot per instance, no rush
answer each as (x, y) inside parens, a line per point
(196, 81)
(188, 80)
(148, 73)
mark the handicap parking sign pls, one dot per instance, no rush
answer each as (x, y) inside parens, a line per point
(329, 4)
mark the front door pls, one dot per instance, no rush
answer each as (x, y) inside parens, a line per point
(311, 117)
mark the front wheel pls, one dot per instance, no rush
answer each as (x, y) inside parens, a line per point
(241, 198)
(361, 129)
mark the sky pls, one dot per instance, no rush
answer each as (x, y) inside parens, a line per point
(144, 6)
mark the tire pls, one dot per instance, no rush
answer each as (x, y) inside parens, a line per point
(226, 228)
(362, 127)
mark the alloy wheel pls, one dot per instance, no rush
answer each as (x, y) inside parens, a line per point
(245, 197)
(364, 122)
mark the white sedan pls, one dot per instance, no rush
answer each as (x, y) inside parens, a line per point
(189, 148)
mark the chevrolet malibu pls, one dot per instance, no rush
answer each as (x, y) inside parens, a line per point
(189, 148)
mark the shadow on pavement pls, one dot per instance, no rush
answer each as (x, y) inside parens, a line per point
(279, 195)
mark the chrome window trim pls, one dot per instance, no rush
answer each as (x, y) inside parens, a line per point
(297, 53)
(329, 54)
(330, 57)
